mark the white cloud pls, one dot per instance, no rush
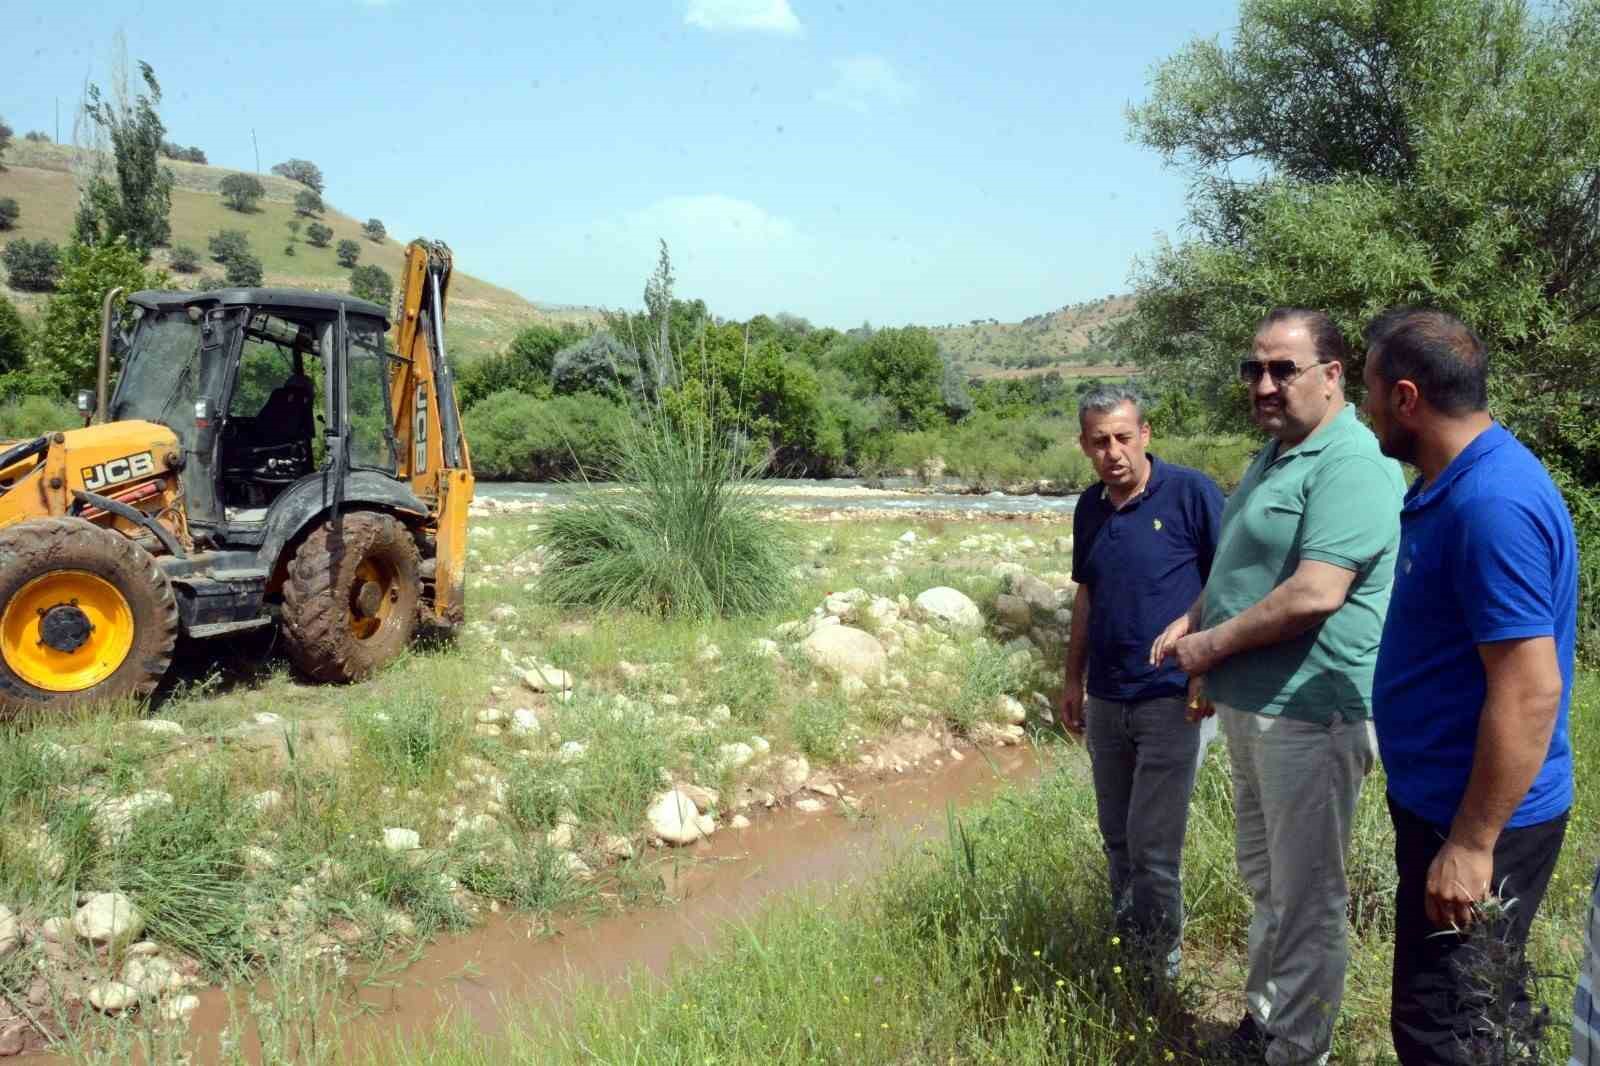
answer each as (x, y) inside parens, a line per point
(711, 220)
(864, 82)
(763, 16)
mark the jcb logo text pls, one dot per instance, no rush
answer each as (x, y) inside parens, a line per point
(117, 471)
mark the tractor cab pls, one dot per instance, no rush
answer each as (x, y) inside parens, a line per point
(265, 389)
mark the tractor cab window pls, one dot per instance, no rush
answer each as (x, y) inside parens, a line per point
(372, 441)
(269, 436)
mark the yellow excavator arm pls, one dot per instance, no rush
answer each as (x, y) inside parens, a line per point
(427, 422)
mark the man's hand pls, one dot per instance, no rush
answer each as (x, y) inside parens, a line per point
(1198, 707)
(1197, 653)
(1070, 710)
(1168, 640)
(1458, 878)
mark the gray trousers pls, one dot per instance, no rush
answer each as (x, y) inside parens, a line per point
(1144, 757)
(1294, 793)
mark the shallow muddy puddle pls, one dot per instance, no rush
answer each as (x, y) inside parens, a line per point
(496, 973)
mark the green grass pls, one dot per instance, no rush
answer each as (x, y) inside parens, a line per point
(997, 948)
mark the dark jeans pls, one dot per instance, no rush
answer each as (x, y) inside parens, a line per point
(1439, 989)
(1144, 757)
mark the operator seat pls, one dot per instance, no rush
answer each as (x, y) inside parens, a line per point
(289, 414)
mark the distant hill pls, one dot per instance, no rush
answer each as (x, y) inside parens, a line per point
(482, 317)
(1072, 340)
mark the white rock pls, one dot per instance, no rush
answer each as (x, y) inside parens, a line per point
(524, 722)
(178, 1008)
(112, 997)
(908, 537)
(10, 932)
(809, 805)
(846, 651)
(720, 713)
(1011, 710)
(116, 817)
(151, 976)
(949, 607)
(735, 756)
(706, 824)
(256, 858)
(572, 751)
(502, 614)
(708, 653)
(559, 837)
(767, 649)
(576, 866)
(399, 923)
(400, 839)
(739, 821)
(487, 730)
(161, 726)
(547, 679)
(267, 800)
(491, 716)
(266, 718)
(793, 773)
(618, 847)
(673, 817)
(704, 798)
(762, 745)
(853, 687)
(108, 918)
(55, 930)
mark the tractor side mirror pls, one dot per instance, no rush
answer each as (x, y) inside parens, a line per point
(86, 404)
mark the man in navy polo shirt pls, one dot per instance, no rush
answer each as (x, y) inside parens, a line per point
(1474, 676)
(1142, 545)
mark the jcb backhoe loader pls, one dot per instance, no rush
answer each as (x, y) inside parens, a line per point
(268, 458)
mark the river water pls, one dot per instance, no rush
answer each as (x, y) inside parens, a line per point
(896, 494)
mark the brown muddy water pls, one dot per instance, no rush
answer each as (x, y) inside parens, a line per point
(499, 972)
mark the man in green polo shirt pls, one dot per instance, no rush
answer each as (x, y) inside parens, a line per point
(1283, 640)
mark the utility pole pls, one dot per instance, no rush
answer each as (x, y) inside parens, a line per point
(257, 147)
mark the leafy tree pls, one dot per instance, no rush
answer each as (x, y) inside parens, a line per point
(207, 282)
(32, 266)
(371, 282)
(241, 191)
(138, 205)
(244, 269)
(184, 259)
(374, 231)
(10, 211)
(903, 367)
(228, 244)
(525, 366)
(69, 335)
(348, 252)
(598, 363)
(319, 235)
(37, 137)
(308, 203)
(14, 340)
(304, 171)
(5, 142)
(179, 152)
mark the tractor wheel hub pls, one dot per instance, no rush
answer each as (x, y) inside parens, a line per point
(369, 598)
(64, 628)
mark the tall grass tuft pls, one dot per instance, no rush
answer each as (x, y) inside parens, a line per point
(689, 533)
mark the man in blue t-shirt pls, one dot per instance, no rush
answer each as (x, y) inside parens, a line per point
(1143, 540)
(1473, 680)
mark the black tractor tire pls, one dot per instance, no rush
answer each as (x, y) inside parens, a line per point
(350, 601)
(62, 551)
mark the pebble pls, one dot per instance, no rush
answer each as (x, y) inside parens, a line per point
(399, 839)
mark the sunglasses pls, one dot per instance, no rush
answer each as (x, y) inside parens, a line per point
(1283, 371)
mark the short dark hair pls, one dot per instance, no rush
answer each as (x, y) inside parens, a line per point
(1327, 340)
(1436, 352)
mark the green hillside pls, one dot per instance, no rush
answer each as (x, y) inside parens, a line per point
(1071, 340)
(483, 317)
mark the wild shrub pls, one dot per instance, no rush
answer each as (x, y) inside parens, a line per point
(522, 437)
(412, 738)
(184, 259)
(348, 253)
(819, 724)
(9, 212)
(32, 266)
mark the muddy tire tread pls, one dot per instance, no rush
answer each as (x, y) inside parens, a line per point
(316, 612)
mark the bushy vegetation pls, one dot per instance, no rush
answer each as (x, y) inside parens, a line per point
(518, 436)
(69, 334)
(10, 211)
(348, 253)
(14, 338)
(190, 154)
(373, 230)
(244, 269)
(228, 244)
(184, 259)
(242, 191)
(304, 171)
(308, 203)
(372, 282)
(318, 235)
(32, 266)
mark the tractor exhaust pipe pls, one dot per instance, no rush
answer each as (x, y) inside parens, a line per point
(102, 390)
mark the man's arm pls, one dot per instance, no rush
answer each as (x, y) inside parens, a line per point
(1071, 710)
(1313, 592)
(1519, 716)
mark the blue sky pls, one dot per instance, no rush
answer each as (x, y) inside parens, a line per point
(924, 162)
